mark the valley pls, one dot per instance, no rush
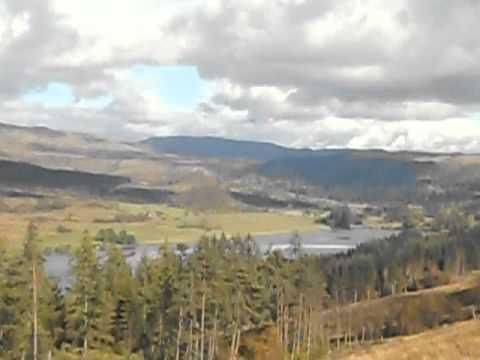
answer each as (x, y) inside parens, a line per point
(338, 253)
(239, 180)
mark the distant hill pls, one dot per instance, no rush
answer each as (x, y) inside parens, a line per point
(18, 175)
(24, 143)
(217, 147)
(76, 152)
(344, 170)
(220, 148)
(340, 168)
(177, 163)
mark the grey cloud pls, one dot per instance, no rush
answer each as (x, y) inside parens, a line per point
(436, 57)
(25, 60)
(30, 60)
(351, 88)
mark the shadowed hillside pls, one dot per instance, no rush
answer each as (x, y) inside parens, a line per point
(220, 148)
(344, 170)
(23, 175)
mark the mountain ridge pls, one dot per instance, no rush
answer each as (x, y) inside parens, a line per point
(180, 163)
(191, 145)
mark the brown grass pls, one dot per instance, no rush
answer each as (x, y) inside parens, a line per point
(166, 222)
(458, 341)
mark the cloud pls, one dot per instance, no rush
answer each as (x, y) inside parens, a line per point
(32, 34)
(347, 50)
(318, 73)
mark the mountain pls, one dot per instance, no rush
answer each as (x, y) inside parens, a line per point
(47, 147)
(220, 148)
(160, 166)
(78, 152)
(22, 141)
(217, 147)
(344, 170)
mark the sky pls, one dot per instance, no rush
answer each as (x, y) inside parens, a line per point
(397, 75)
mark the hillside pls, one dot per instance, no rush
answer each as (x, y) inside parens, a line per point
(352, 170)
(69, 151)
(262, 173)
(220, 148)
(344, 170)
(458, 341)
(341, 168)
(22, 143)
(17, 175)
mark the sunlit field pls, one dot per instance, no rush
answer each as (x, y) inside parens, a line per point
(150, 223)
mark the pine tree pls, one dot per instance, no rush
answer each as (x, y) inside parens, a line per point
(121, 295)
(32, 256)
(24, 302)
(85, 306)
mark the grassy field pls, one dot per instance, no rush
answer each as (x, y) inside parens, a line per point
(458, 341)
(155, 223)
(379, 222)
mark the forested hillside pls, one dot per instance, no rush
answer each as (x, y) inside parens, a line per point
(342, 170)
(225, 300)
(219, 148)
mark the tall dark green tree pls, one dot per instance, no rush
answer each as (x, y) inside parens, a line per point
(120, 299)
(85, 301)
(26, 310)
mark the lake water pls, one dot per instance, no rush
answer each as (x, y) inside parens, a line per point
(315, 242)
(324, 241)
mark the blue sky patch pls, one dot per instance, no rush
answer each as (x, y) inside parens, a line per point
(95, 103)
(54, 95)
(60, 94)
(179, 86)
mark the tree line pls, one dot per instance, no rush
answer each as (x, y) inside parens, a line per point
(406, 262)
(202, 303)
(178, 305)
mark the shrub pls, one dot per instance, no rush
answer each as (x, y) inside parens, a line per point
(110, 236)
(342, 217)
(63, 230)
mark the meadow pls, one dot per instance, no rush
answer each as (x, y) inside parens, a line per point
(62, 222)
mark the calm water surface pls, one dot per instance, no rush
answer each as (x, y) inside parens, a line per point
(315, 242)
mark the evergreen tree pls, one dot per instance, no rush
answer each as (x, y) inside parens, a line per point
(85, 301)
(25, 311)
(121, 298)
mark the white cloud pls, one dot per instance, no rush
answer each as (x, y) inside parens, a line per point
(319, 73)
(12, 26)
(113, 30)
